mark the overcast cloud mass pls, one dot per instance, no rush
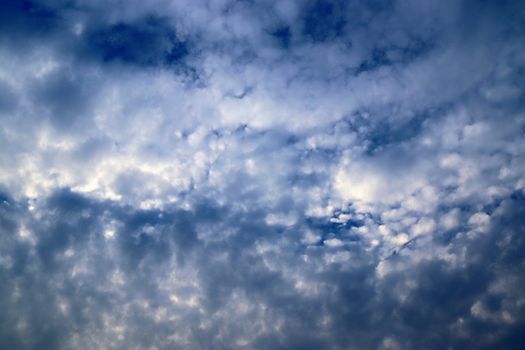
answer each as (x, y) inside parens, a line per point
(262, 174)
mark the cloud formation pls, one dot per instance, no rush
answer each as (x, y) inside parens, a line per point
(262, 175)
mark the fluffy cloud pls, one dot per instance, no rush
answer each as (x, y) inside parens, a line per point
(263, 175)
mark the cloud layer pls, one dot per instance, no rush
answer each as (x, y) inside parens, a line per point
(262, 175)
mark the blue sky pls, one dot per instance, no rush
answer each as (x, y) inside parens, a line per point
(264, 174)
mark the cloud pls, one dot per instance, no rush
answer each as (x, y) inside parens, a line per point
(256, 175)
(176, 274)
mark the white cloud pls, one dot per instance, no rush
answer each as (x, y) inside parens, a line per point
(261, 187)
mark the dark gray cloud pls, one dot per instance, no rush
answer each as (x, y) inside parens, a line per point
(262, 175)
(259, 283)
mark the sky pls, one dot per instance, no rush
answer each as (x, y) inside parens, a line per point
(262, 174)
